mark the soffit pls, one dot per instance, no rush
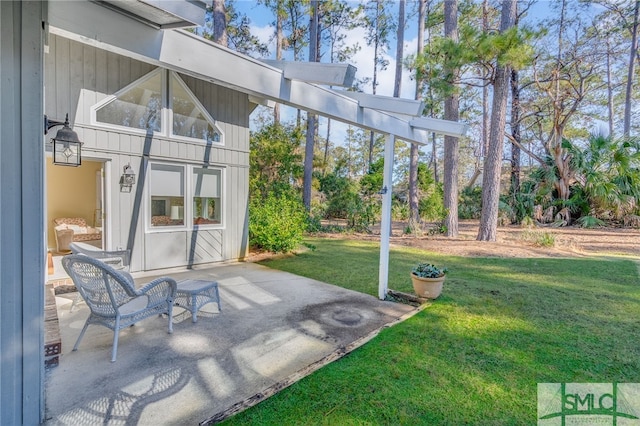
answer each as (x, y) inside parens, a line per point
(160, 14)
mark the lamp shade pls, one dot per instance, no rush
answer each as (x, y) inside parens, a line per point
(67, 147)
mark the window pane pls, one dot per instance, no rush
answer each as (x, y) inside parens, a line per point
(166, 185)
(188, 117)
(207, 201)
(139, 107)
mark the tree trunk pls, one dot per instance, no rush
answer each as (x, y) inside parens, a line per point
(515, 133)
(609, 90)
(279, 43)
(451, 112)
(414, 206)
(311, 118)
(219, 23)
(485, 89)
(326, 146)
(493, 161)
(399, 50)
(631, 72)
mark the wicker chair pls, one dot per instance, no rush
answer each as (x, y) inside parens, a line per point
(113, 299)
(119, 259)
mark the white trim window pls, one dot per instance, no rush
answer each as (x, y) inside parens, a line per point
(166, 190)
(185, 196)
(206, 187)
(139, 106)
(160, 102)
(189, 118)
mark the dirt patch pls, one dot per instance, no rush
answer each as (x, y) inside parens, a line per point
(514, 241)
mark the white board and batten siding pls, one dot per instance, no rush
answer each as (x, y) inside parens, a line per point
(78, 76)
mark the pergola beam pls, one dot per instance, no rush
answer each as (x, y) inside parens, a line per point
(386, 103)
(443, 127)
(316, 72)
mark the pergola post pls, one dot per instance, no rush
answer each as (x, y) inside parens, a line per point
(385, 226)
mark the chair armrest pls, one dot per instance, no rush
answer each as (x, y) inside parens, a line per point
(160, 290)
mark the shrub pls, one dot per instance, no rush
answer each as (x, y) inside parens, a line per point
(277, 223)
(470, 203)
(590, 222)
(399, 210)
(541, 239)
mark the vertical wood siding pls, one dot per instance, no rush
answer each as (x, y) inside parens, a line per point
(78, 76)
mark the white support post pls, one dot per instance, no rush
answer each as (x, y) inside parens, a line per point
(385, 228)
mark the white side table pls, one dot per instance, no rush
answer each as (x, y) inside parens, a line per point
(194, 294)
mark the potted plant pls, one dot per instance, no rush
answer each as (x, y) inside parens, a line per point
(427, 280)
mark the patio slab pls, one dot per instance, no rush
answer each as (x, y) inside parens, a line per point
(273, 326)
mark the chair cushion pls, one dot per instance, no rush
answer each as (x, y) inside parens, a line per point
(70, 221)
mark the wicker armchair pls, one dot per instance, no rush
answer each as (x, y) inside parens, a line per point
(113, 299)
(119, 260)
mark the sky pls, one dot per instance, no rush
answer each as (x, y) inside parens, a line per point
(261, 25)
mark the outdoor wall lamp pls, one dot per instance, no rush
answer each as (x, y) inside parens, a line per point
(128, 179)
(66, 145)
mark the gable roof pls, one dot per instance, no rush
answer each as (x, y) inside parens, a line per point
(190, 54)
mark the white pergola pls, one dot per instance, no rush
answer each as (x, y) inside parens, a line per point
(298, 85)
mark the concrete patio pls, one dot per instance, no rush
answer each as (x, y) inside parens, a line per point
(274, 328)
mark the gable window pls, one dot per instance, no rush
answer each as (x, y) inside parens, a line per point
(138, 105)
(189, 117)
(161, 102)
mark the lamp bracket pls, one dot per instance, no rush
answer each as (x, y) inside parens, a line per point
(48, 124)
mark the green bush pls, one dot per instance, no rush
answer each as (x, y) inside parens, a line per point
(399, 210)
(277, 223)
(470, 203)
(540, 239)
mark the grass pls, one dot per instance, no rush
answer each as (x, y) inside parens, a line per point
(476, 354)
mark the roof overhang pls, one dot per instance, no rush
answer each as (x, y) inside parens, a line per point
(187, 53)
(160, 14)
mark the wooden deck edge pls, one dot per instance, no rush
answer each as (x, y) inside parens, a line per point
(301, 374)
(52, 340)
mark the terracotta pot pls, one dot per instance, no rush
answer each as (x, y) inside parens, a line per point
(427, 287)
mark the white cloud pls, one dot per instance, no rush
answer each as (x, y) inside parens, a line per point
(266, 35)
(363, 60)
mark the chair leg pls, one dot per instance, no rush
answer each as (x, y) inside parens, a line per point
(218, 299)
(77, 300)
(116, 332)
(170, 316)
(86, 324)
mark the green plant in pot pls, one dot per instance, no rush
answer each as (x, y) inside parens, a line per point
(427, 280)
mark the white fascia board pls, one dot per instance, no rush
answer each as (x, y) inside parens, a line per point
(329, 74)
(443, 127)
(386, 103)
(184, 52)
(192, 12)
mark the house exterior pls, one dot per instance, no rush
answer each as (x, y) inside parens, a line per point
(171, 107)
(187, 140)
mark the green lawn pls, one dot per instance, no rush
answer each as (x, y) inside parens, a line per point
(476, 354)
